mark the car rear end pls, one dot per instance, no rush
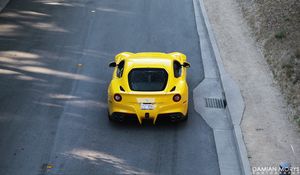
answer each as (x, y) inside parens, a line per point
(148, 91)
(150, 106)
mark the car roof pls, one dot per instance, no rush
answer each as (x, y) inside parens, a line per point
(150, 59)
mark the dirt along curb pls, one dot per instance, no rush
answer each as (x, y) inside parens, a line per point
(3, 4)
(227, 131)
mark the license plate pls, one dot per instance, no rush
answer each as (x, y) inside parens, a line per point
(147, 106)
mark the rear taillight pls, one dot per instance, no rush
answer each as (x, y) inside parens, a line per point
(176, 98)
(118, 97)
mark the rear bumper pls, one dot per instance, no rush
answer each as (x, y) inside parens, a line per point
(173, 111)
(173, 117)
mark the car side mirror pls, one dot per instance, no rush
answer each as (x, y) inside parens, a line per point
(186, 65)
(112, 64)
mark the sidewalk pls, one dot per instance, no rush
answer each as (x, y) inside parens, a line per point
(269, 136)
(218, 100)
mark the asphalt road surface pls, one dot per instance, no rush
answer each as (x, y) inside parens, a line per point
(54, 75)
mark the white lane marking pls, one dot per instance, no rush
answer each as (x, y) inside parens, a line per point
(293, 149)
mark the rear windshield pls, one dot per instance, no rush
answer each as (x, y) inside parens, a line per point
(147, 79)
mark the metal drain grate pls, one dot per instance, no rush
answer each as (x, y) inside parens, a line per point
(215, 103)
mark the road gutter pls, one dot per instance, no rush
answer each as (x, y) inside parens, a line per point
(231, 150)
(3, 4)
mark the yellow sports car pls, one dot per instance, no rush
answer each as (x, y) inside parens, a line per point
(149, 86)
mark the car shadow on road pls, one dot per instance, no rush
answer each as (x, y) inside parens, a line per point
(133, 123)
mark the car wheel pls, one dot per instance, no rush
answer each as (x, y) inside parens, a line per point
(109, 117)
(186, 117)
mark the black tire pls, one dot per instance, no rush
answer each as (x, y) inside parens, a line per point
(109, 117)
(185, 118)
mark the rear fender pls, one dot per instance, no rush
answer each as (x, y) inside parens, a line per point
(122, 56)
(179, 57)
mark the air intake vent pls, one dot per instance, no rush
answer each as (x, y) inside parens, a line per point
(173, 89)
(215, 103)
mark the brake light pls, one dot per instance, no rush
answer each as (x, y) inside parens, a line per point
(117, 97)
(176, 98)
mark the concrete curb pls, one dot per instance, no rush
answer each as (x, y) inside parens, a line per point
(235, 104)
(3, 4)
